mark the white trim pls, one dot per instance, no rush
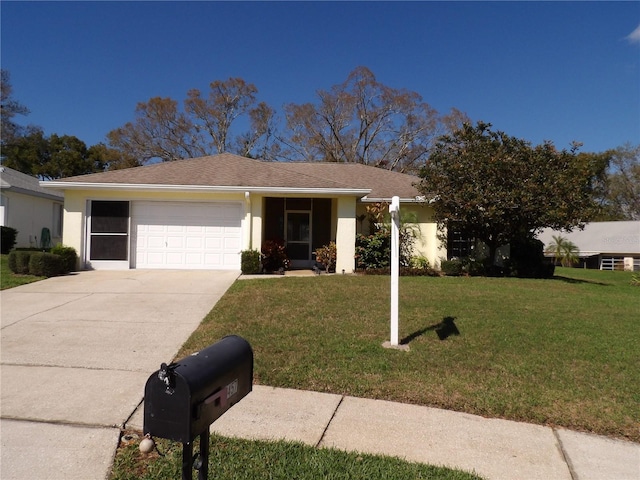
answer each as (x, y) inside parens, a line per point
(203, 188)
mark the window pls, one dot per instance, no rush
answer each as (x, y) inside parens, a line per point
(109, 230)
(459, 245)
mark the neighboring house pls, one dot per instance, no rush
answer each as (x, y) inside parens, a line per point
(201, 213)
(603, 245)
(30, 208)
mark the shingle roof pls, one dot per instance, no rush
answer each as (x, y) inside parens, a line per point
(227, 170)
(383, 183)
(13, 180)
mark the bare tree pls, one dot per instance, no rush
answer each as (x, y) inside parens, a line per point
(204, 127)
(363, 121)
(9, 108)
(160, 130)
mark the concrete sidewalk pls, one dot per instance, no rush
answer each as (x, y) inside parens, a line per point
(492, 448)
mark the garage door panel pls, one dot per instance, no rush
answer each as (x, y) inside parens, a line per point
(187, 235)
(212, 259)
(195, 243)
(231, 243)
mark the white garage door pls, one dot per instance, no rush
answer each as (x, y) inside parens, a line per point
(187, 235)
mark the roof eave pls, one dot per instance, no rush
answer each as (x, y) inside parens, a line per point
(203, 188)
(35, 193)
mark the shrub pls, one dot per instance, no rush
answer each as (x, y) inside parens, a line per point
(8, 239)
(419, 262)
(250, 262)
(274, 256)
(11, 261)
(45, 264)
(373, 251)
(527, 260)
(68, 255)
(473, 267)
(327, 255)
(18, 261)
(452, 268)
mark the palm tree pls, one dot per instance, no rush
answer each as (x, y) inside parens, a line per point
(564, 251)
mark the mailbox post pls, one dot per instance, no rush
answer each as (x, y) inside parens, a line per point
(394, 210)
(183, 399)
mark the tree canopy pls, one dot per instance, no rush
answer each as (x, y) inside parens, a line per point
(363, 121)
(622, 188)
(499, 189)
(57, 156)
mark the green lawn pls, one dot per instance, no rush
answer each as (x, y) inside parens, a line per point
(8, 279)
(563, 352)
(232, 459)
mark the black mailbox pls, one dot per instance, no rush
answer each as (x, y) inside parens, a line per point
(183, 399)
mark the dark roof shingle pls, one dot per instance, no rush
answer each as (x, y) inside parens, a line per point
(228, 170)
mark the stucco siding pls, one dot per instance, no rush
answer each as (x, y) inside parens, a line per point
(427, 245)
(29, 215)
(346, 234)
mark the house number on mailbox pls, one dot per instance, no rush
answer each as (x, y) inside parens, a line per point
(232, 388)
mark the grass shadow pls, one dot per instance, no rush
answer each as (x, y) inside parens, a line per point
(444, 330)
(578, 281)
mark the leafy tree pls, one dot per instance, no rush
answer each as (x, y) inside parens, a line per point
(499, 189)
(363, 121)
(622, 198)
(9, 108)
(563, 250)
(56, 156)
(162, 130)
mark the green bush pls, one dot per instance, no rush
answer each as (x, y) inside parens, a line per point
(250, 262)
(18, 261)
(373, 251)
(11, 261)
(44, 264)
(419, 262)
(69, 257)
(8, 239)
(527, 260)
(452, 268)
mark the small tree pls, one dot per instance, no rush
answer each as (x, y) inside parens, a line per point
(327, 256)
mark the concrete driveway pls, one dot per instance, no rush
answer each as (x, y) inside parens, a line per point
(76, 352)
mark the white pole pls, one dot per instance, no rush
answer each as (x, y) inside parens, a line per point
(394, 210)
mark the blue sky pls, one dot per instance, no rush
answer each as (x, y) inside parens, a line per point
(558, 71)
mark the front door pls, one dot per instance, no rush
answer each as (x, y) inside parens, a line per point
(298, 231)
